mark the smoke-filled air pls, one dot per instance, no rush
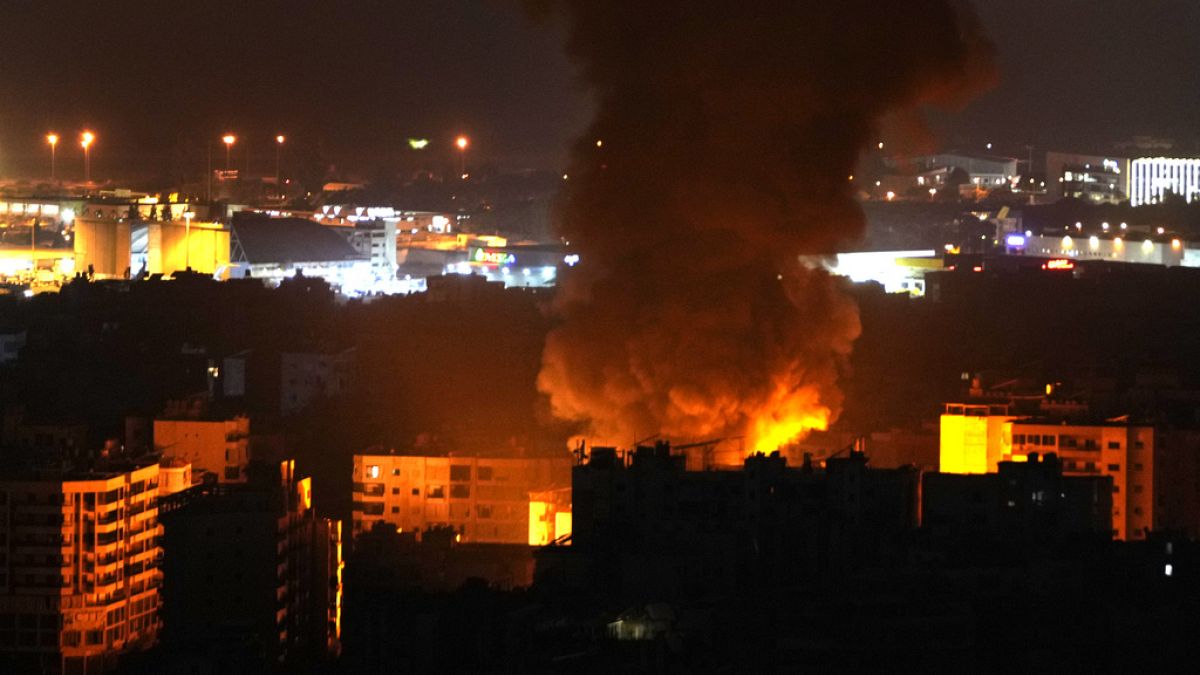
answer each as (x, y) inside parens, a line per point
(724, 141)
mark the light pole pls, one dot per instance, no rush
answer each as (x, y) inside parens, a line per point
(86, 141)
(187, 239)
(278, 151)
(52, 139)
(462, 142)
(228, 140)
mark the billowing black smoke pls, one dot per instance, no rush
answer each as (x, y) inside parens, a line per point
(725, 136)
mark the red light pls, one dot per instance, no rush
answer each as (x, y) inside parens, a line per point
(1059, 264)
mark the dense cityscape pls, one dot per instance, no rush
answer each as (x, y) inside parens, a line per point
(700, 338)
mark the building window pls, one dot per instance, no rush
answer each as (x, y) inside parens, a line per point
(460, 473)
(395, 491)
(1114, 445)
(1137, 467)
(1114, 467)
(435, 492)
(460, 491)
(395, 472)
(1048, 440)
(395, 509)
(373, 471)
(416, 492)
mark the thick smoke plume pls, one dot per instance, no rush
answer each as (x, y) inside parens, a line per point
(724, 140)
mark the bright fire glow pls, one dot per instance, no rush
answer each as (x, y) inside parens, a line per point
(792, 415)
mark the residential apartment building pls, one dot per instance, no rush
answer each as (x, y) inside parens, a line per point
(220, 446)
(79, 565)
(485, 499)
(252, 564)
(975, 439)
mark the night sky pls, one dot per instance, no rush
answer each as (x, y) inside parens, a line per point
(357, 78)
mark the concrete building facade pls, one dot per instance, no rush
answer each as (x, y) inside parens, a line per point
(79, 566)
(485, 499)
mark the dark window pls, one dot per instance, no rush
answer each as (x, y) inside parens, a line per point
(460, 491)
(460, 473)
(416, 492)
(1114, 445)
(1114, 467)
(435, 492)
(395, 491)
(395, 472)
(1019, 439)
(1048, 440)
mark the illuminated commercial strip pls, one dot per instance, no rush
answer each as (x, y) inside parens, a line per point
(80, 583)
(896, 271)
(1156, 177)
(485, 499)
(1122, 246)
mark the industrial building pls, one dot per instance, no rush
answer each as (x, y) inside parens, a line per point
(1094, 179)
(484, 499)
(274, 249)
(79, 564)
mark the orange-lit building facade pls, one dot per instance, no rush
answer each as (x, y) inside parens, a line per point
(976, 438)
(79, 567)
(219, 447)
(485, 499)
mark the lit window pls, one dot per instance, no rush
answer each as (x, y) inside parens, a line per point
(1168, 570)
(373, 471)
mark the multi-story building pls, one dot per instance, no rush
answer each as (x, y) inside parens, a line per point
(971, 437)
(307, 378)
(646, 526)
(1094, 179)
(485, 499)
(253, 564)
(1123, 451)
(220, 447)
(1156, 177)
(79, 565)
(1030, 499)
(975, 439)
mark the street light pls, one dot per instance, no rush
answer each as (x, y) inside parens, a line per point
(462, 142)
(86, 141)
(52, 139)
(228, 140)
(278, 151)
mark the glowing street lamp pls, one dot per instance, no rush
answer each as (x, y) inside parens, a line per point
(461, 143)
(228, 140)
(52, 139)
(278, 151)
(86, 141)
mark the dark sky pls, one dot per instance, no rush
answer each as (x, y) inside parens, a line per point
(359, 76)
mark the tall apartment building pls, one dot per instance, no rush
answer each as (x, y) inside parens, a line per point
(220, 447)
(976, 438)
(485, 499)
(253, 565)
(79, 565)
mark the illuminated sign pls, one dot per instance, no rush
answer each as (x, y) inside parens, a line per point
(1015, 240)
(418, 143)
(486, 256)
(1059, 264)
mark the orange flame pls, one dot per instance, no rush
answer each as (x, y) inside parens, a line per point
(791, 415)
